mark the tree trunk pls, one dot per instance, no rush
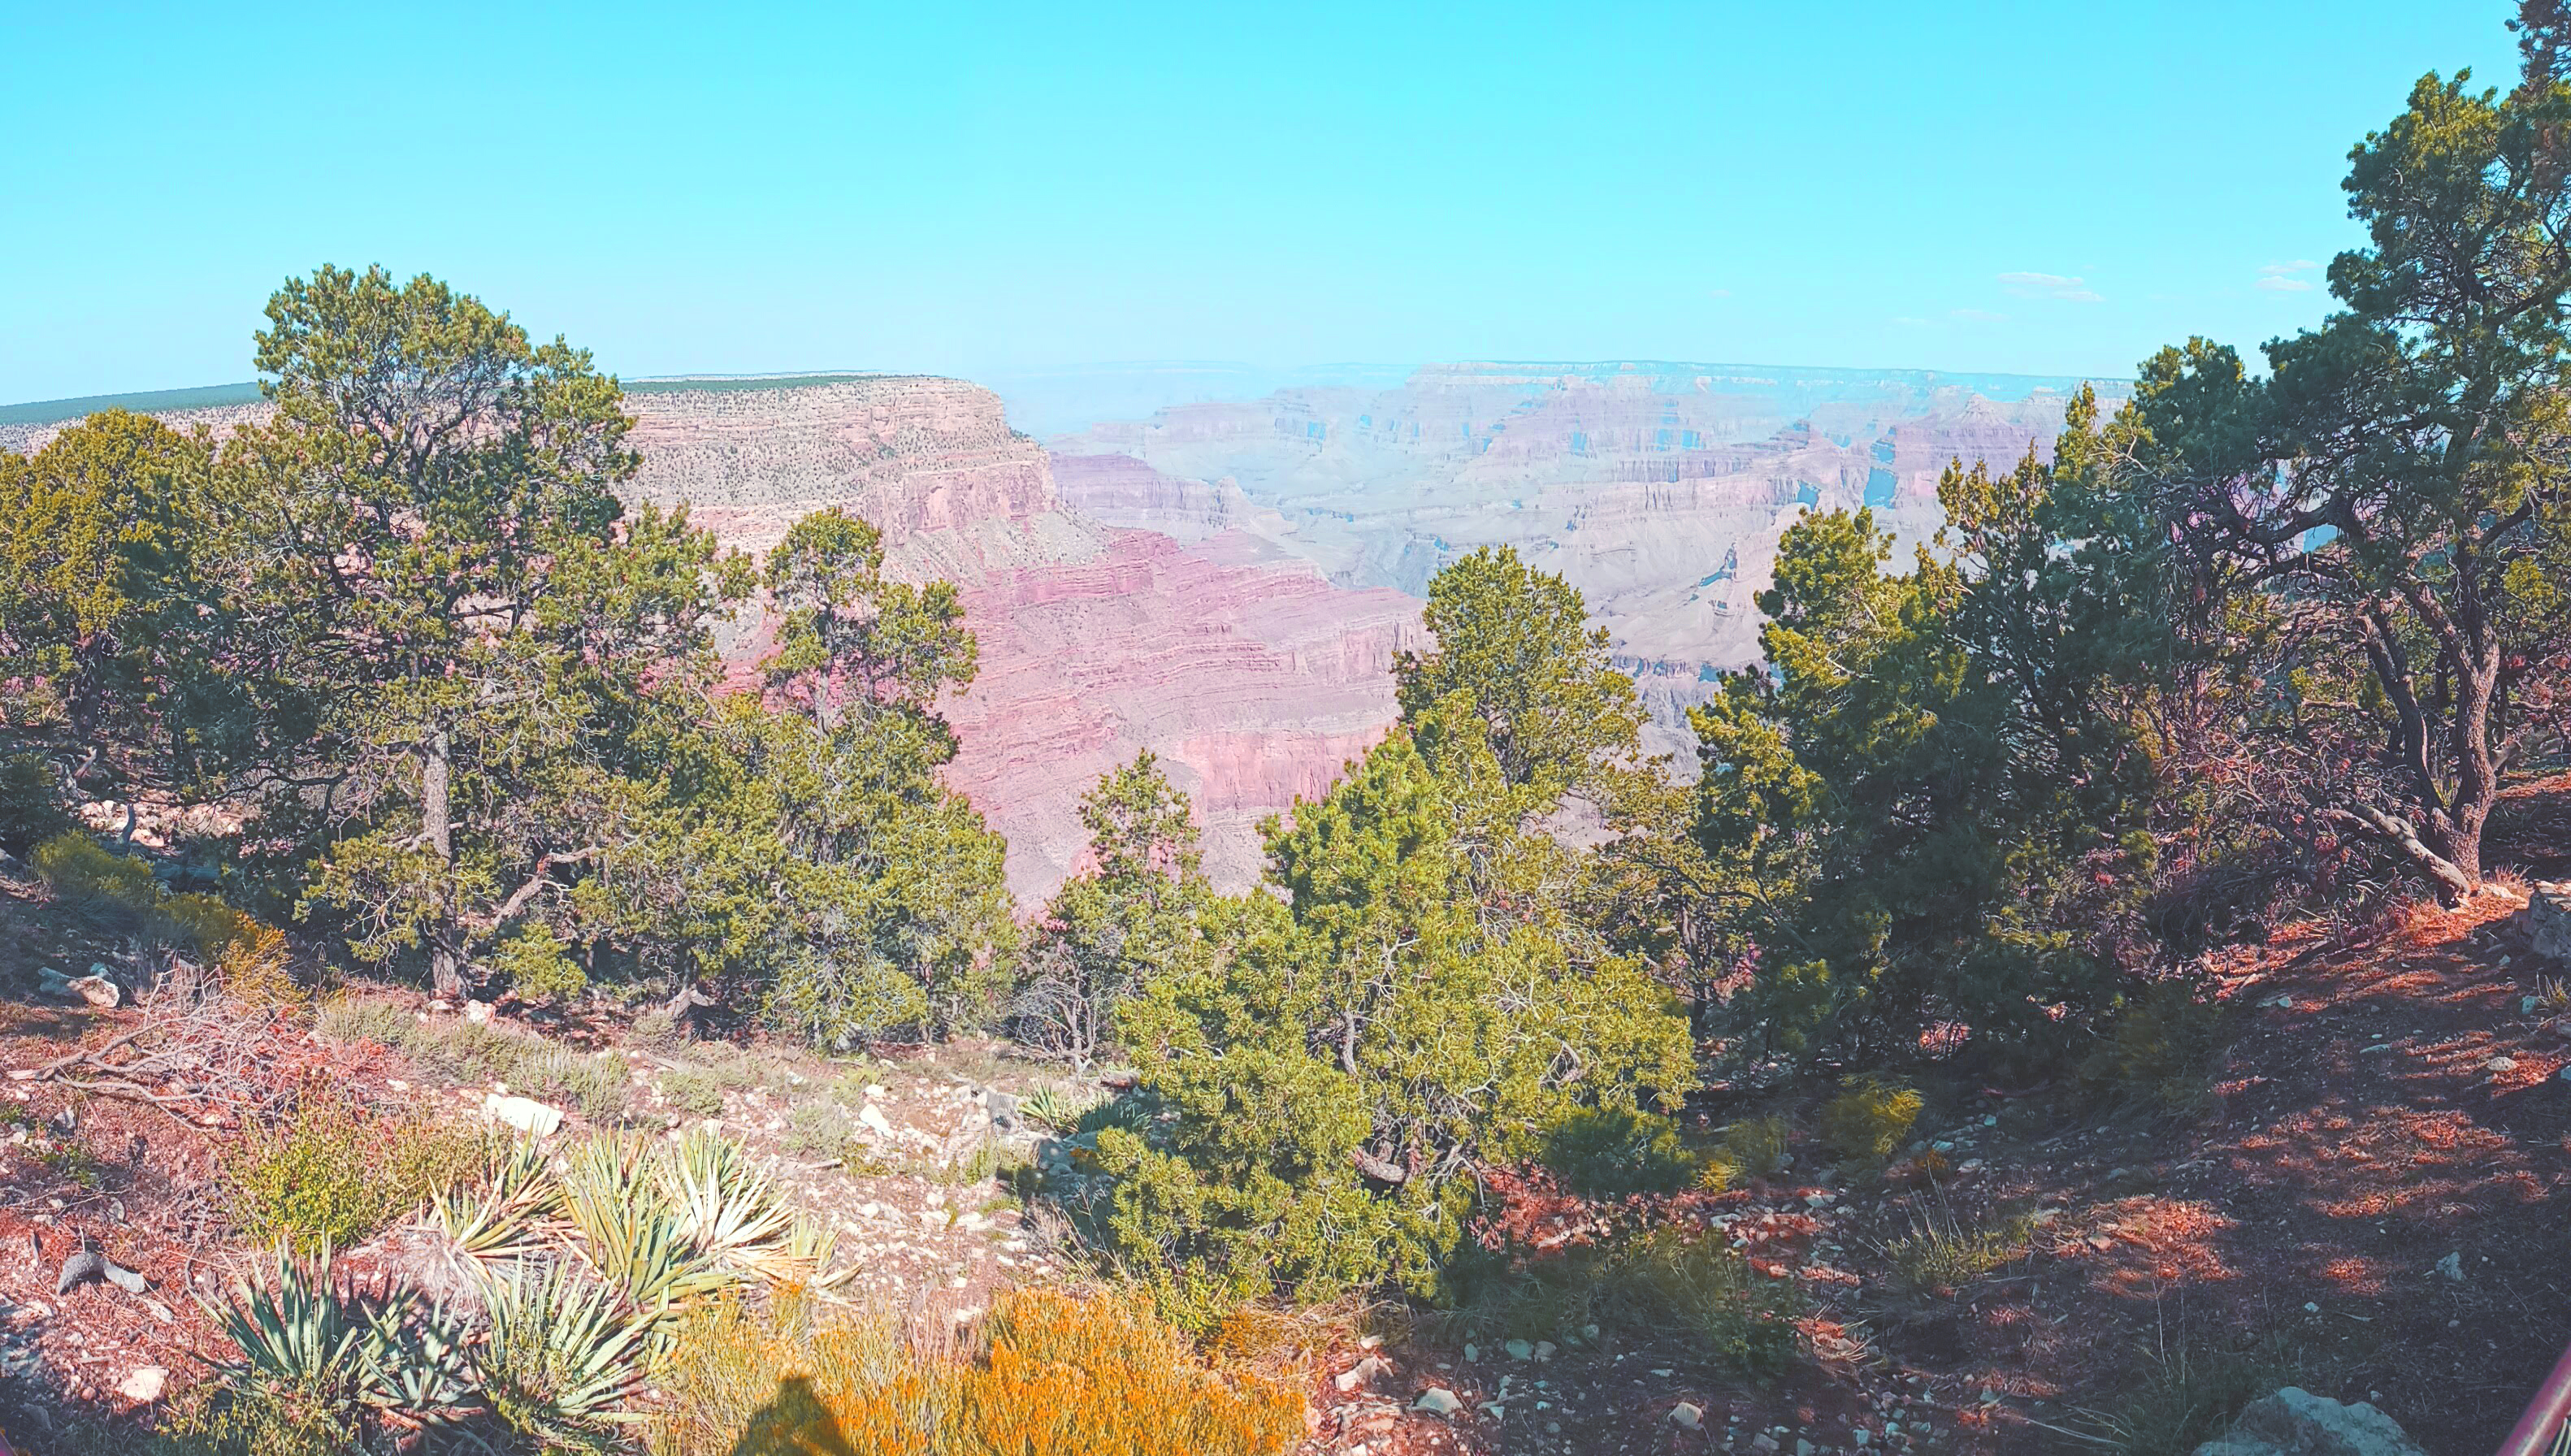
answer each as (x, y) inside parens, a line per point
(445, 940)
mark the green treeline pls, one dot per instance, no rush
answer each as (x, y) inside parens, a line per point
(2264, 642)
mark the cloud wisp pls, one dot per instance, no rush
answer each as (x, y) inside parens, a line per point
(2050, 286)
(2278, 278)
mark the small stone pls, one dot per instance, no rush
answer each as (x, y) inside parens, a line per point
(873, 1116)
(477, 1012)
(1863, 1438)
(1991, 1121)
(1763, 1444)
(1472, 1352)
(2312, 1308)
(96, 990)
(143, 1385)
(1686, 1416)
(1519, 1349)
(2500, 1064)
(2452, 1266)
(1362, 1373)
(1437, 1400)
(1544, 1349)
(1802, 1447)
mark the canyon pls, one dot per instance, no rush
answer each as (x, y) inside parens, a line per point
(1225, 583)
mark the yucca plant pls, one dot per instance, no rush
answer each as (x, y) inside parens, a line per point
(416, 1367)
(292, 1329)
(1055, 1108)
(563, 1362)
(504, 1216)
(629, 1232)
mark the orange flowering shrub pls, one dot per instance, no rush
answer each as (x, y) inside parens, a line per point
(1059, 1375)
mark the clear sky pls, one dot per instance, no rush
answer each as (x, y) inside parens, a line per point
(971, 187)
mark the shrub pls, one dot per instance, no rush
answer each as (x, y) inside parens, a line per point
(329, 1177)
(476, 1052)
(78, 868)
(1057, 1376)
(1945, 1250)
(2157, 1049)
(700, 1090)
(1649, 1283)
(1692, 1279)
(1755, 1147)
(1866, 1122)
(820, 1128)
(538, 965)
(1614, 1152)
(31, 803)
(2187, 1392)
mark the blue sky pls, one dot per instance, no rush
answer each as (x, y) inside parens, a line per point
(990, 188)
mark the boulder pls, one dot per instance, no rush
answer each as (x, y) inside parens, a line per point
(2295, 1422)
(97, 991)
(2548, 922)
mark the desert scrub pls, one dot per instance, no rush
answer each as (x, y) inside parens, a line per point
(1946, 1250)
(1650, 1282)
(1750, 1147)
(76, 867)
(330, 1176)
(700, 1090)
(2157, 1053)
(1054, 1375)
(820, 1128)
(473, 1052)
(1866, 1122)
(1609, 1153)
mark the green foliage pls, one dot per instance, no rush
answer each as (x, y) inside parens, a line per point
(479, 1051)
(534, 960)
(1327, 1071)
(106, 663)
(2186, 1392)
(465, 631)
(1613, 1152)
(1651, 1284)
(31, 803)
(76, 867)
(1866, 1122)
(562, 1362)
(2159, 1049)
(700, 1090)
(1945, 1250)
(1130, 915)
(331, 1177)
(1518, 640)
(1755, 1147)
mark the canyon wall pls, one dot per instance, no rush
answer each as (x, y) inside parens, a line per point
(1658, 489)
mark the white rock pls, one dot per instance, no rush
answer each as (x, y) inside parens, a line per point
(477, 1012)
(1519, 1349)
(96, 990)
(524, 1113)
(1361, 1373)
(874, 1118)
(2500, 1064)
(1437, 1400)
(1686, 1416)
(2452, 1266)
(1544, 1349)
(143, 1385)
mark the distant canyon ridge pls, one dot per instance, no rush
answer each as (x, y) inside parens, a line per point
(1225, 583)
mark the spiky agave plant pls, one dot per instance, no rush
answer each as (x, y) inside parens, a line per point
(563, 1360)
(613, 1196)
(730, 1209)
(292, 1329)
(298, 1330)
(504, 1216)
